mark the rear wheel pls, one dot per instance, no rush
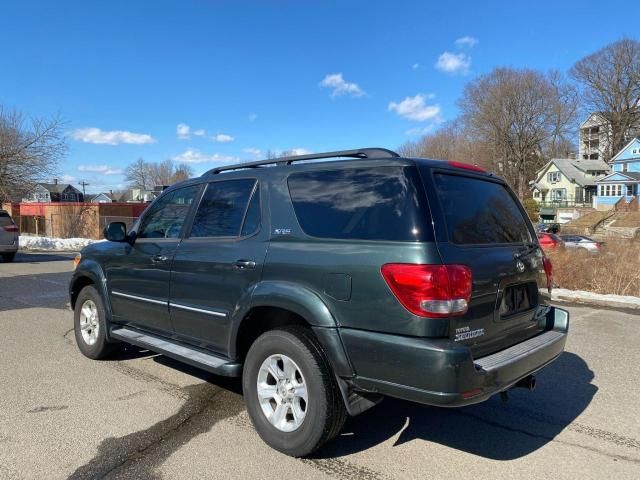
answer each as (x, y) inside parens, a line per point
(90, 324)
(8, 257)
(290, 392)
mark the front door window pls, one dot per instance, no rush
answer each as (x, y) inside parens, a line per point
(167, 215)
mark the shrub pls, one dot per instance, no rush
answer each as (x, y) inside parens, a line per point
(616, 270)
(533, 209)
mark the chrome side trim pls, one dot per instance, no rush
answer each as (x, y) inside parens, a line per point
(140, 299)
(197, 310)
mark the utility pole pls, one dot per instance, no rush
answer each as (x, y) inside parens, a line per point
(84, 184)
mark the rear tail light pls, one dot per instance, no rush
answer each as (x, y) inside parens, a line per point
(434, 291)
(467, 166)
(548, 270)
(10, 228)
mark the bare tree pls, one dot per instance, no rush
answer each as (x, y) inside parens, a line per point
(452, 141)
(161, 173)
(610, 81)
(521, 117)
(30, 150)
(182, 171)
(145, 175)
(137, 175)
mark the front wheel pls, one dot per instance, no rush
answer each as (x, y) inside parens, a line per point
(291, 395)
(90, 324)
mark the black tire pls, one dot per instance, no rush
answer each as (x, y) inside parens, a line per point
(8, 257)
(101, 348)
(325, 411)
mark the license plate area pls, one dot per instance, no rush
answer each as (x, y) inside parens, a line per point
(517, 299)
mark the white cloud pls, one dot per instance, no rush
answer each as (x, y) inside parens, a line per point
(183, 131)
(222, 138)
(256, 152)
(419, 131)
(466, 42)
(252, 117)
(112, 137)
(67, 179)
(297, 151)
(193, 155)
(415, 66)
(200, 132)
(102, 169)
(454, 62)
(340, 86)
(416, 108)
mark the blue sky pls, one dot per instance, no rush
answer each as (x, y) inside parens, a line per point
(245, 77)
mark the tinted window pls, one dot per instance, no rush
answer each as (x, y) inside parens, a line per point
(167, 214)
(384, 203)
(480, 212)
(222, 208)
(252, 217)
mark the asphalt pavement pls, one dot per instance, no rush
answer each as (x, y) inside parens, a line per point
(141, 415)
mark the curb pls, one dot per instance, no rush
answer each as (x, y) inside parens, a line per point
(596, 299)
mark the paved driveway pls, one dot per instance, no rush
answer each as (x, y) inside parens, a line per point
(141, 415)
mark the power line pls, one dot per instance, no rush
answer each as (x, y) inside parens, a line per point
(84, 184)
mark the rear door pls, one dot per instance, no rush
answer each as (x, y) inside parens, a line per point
(218, 263)
(480, 223)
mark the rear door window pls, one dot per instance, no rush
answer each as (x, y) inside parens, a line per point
(222, 209)
(479, 211)
(381, 203)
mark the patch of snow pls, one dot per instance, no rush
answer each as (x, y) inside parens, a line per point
(54, 244)
(604, 300)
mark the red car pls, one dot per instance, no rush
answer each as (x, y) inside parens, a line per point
(549, 241)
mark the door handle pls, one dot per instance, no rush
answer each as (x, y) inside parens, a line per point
(245, 264)
(159, 258)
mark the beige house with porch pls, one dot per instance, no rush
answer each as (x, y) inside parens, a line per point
(566, 183)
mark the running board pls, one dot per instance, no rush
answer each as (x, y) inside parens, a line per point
(190, 355)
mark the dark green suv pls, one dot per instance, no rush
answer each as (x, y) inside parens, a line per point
(329, 284)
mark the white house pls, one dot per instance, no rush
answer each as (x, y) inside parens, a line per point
(568, 181)
(99, 198)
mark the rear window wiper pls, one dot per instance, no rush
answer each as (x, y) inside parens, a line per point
(529, 247)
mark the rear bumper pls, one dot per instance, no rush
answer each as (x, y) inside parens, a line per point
(9, 248)
(441, 372)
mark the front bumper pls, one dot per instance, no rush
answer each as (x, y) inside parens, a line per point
(442, 372)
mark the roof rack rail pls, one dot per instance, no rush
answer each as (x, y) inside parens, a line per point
(359, 153)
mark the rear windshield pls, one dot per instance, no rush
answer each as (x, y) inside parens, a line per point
(382, 203)
(5, 219)
(480, 212)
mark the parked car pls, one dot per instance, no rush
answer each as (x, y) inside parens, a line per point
(549, 227)
(8, 237)
(550, 241)
(328, 285)
(582, 243)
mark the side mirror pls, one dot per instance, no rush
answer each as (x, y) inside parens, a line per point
(116, 232)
